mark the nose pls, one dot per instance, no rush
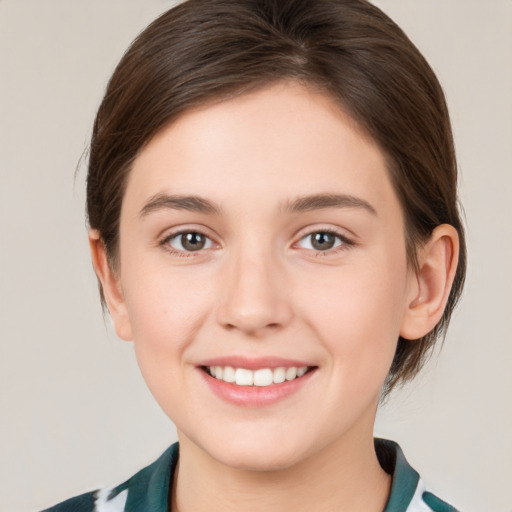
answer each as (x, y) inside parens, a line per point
(254, 296)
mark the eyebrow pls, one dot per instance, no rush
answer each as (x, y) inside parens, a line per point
(178, 202)
(321, 201)
(299, 204)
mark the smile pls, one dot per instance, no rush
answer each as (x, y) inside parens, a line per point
(261, 377)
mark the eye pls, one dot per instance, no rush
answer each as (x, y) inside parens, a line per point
(323, 241)
(188, 241)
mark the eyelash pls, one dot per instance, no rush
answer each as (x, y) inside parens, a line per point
(182, 254)
(346, 243)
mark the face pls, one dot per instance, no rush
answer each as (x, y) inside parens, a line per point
(261, 241)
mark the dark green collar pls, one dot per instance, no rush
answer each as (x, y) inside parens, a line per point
(405, 478)
(149, 488)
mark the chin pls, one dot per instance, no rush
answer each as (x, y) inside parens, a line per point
(262, 454)
(258, 460)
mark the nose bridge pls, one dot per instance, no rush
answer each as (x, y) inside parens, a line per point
(254, 295)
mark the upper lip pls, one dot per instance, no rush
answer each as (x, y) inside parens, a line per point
(254, 363)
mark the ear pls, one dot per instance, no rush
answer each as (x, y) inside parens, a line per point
(430, 287)
(110, 285)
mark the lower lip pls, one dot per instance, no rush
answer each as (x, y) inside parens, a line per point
(255, 396)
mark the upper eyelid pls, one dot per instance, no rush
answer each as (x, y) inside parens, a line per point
(343, 233)
(173, 232)
(346, 241)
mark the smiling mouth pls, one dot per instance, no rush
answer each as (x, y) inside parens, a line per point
(262, 377)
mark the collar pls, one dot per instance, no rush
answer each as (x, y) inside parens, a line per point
(405, 478)
(148, 489)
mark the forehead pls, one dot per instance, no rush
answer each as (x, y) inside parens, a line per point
(260, 148)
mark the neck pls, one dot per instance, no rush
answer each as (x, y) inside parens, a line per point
(344, 476)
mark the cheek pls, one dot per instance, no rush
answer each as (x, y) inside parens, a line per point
(163, 303)
(165, 314)
(357, 313)
(166, 309)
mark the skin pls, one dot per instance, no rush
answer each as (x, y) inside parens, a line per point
(260, 288)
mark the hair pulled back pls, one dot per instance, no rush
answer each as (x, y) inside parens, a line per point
(210, 50)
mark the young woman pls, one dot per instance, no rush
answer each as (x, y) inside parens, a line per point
(273, 222)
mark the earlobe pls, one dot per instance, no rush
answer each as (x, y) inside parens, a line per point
(110, 286)
(431, 285)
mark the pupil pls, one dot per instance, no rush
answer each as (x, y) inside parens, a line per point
(193, 241)
(323, 241)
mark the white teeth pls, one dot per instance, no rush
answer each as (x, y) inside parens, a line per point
(262, 377)
(291, 373)
(279, 375)
(229, 374)
(301, 371)
(244, 377)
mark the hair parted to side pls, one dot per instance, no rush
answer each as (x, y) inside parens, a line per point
(209, 50)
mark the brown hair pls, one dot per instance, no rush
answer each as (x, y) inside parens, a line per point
(209, 50)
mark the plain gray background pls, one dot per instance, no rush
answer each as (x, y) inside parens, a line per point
(74, 411)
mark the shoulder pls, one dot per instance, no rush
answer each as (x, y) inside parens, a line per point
(148, 489)
(408, 491)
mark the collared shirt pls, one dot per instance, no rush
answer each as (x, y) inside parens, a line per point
(148, 490)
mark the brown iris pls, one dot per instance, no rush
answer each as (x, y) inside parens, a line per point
(193, 241)
(322, 241)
